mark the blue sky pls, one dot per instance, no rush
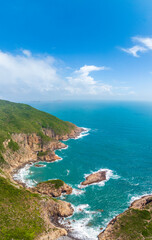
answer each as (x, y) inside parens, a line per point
(76, 49)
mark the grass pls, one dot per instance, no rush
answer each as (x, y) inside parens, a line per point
(20, 213)
(134, 224)
(22, 118)
(57, 183)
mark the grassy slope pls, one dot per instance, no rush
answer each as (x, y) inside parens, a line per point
(19, 213)
(22, 118)
(134, 224)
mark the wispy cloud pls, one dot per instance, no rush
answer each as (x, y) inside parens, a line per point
(147, 42)
(144, 45)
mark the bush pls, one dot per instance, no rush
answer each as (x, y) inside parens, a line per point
(13, 146)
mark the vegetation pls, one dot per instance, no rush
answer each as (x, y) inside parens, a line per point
(57, 183)
(13, 145)
(134, 224)
(2, 161)
(40, 154)
(22, 118)
(20, 213)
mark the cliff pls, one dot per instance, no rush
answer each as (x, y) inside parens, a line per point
(29, 135)
(134, 223)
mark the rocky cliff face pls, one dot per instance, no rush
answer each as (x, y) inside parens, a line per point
(30, 145)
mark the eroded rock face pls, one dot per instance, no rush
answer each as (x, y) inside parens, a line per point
(31, 144)
(49, 189)
(95, 178)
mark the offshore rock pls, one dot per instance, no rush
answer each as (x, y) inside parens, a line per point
(95, 178)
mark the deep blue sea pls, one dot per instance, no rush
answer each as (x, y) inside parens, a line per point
(120, 140)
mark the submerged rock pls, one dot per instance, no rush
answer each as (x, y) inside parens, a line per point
(95, 178)
(39, 165)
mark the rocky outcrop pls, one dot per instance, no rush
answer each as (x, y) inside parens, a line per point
(115, 228)
(49, 188)
(142, 202)
(73, 134)
(31, 144)
(95, 178)
(53, 209)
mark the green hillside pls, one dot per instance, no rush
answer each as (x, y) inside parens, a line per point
(22, 118)
(20, 213)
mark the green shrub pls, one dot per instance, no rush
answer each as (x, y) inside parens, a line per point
(2, 161)
(40, 154)
(13, 145)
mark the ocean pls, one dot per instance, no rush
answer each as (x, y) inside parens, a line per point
(119, 139)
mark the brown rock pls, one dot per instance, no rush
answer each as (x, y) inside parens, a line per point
(49, 189)
(95, 178)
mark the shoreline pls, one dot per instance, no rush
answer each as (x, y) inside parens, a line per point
(31, 162)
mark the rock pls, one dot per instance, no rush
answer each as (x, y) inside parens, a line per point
(59, 208)
(52, 189)
(100, 210)
(39, 165)
(95, 178)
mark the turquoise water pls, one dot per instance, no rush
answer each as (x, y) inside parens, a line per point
(120, 140)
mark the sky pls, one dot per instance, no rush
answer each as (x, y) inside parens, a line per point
(75, 50)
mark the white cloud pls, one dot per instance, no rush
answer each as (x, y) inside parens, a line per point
(134, 50)
(147, 42)
(82, 83)
(23, 76)
(26, 52)
(145, 45)
(36, 77)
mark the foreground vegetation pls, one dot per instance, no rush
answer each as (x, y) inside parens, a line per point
(19, 213)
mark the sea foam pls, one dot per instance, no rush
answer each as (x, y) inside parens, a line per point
(22, 176)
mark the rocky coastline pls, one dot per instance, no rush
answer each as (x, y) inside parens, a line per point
(32, 150)
(139, 210)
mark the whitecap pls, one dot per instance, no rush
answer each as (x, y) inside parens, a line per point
(83, 133)
(64, 148)
(136, 197)
(80, 228)
(77, 191)
(22, 176)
